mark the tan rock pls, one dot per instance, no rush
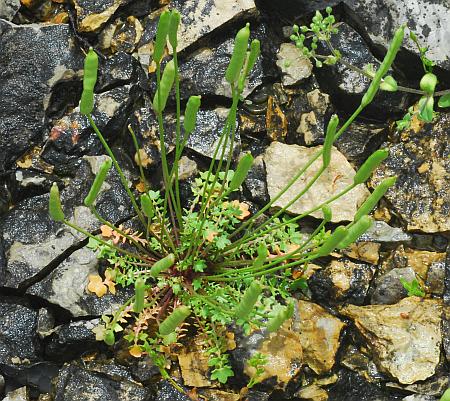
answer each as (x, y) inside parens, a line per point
(365, 251)
(312, 393)
(293, 64)
(404, 338)
(193, 362)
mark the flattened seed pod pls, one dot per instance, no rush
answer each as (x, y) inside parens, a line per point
(89, 81)
(332, 242)
(241, 172)
(428, 83)
(262, 256)
(239, 55)
(139, 295)
(165, 86)
(355, 231)
(327, 213)
(329, 139)
(248, 300)
(172, 321)
(54, 206)
(147, 206)
(161, 36)
(190, 114)
(173, 28)
(98, 182)
(162, 265)
(369, 166)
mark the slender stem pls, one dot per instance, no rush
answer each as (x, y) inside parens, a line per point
(138, 153)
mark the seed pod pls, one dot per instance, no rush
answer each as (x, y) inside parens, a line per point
(248, 300)
(372, 162)
(329, 139)
(162, 265)
(165, 85)
(98, 181)
(327, 213)
(384, 67)
(332, 242)
(373, 199)
(109, 338)
(355, 231)
(444, 100)
(139, 295)
(89, 80)
(161, 36)
(239, 54)
(190, 114)
(428, 83)
(147, 206)
(54, 206)
(262, 256)
(172, 321)
(241, 171)
(250, 58)
(173, 28)
(277, 320)
(426, 106)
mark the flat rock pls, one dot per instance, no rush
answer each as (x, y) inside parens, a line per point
(91, 16)
(382, 232)
(284, 161)
(404, 338)
(9, 8)
(388, 287)
(21, 394)
(293, 64)
(420, 160)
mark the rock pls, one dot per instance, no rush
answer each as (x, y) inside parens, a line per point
(187, 168)
(166, 392)
(122, 36)
(255, 186)
(388, 287)
(293, 64)
(342, 281)
(436, 278)
(347, 86)
(382, 232)
(2, 384)
(193, 361)
(217, 395)
(75, 383)
(21, 394)
(55, 58)
(419, 397)
(421, 195)
(254, 395)
(91, 16)
(404, 338)
(359, 362)
(364, 251)
(276, 120)
(284, 161)
(9, 8)
(312, 393)
(45, 323)
(319, 334)
(434, 386)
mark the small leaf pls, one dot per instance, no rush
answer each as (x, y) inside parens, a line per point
(389, 84)
(444, 100)
(135, 351)
(96, 285)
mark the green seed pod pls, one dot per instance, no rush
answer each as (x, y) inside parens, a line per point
(389, 84)
(327, 213)
(190, 114)
(355, 231)
(255, 51)
(241, 172)
(446, 395)
(239, 55)
(54, 206)
(384, 67)
(89, 80)
(161, 35)
(139, 295)
(373, 199)
(277, 321)
(147, 206)
(262, 256)
(173, 28)
(162, 265)
(329, 139)
(428, 83)
(248, 300)
(98, 181)
(332, 242)
(172, 321)
(109, 338)
(426, 106)
(369, 166)
(165, 86)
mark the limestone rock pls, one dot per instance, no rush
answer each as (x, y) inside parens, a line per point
(21, 394)
(382, 232)
(388, 287)
(9, 8)
(93, 15)
(293, 64)
(405, 338)
(284, 161)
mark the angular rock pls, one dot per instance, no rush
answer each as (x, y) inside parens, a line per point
(421, 195)
(419, 397)
(45, 323)
(9, 8)
(193, 361)
(383, 233)
(389, 289)
(91, 16)
(364, 251)
(21, 394)
(284, 161)
(404, 338)
(166, 392)
(293, 64)
(122, 36)
(26, 87)
(255, 183)
(217, 395)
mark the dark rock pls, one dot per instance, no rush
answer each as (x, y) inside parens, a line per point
(75, 383)
(9, 8)
(121, 35)
(26, 87)
(5, 197)
(342, 281)
(347, 86)
(420, 160)
(255, 186)
(435, 278)
(91, 16)
(388, 287)
(166, 392)
(110, 368)
(26, 183)
(254, 395)
(2, 384)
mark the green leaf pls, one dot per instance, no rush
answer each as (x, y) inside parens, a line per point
(413, 288)
(444, 100)
(389, 84)
(426, 108)
(222, 374)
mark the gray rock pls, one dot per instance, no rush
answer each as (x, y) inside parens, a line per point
(383, 232)
(45, 323)
(9, 8)
(388, 287)
(91, 16)
(26, 87)
(294, 66)
(436, 278)
(166, 392)
(419, 397)
(21, 394)
(421, 195)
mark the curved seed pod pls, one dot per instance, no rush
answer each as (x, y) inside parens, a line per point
(54, 205)
(329, 139)
(161, 36)
(162, 265)
(190, 114)
(250, 60)
(173, 28)
(374, 198)
(248, 300)
(355, 231)
(147, 206)
(384, 67)
(165, 86)
(139, 295)
(327, 213)
(372, 162)
(98, 181)
(172, 321)
(109, 338)
(89, 81)
(332, 242)
(241, 172)
(428, 83)
(239, 55)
